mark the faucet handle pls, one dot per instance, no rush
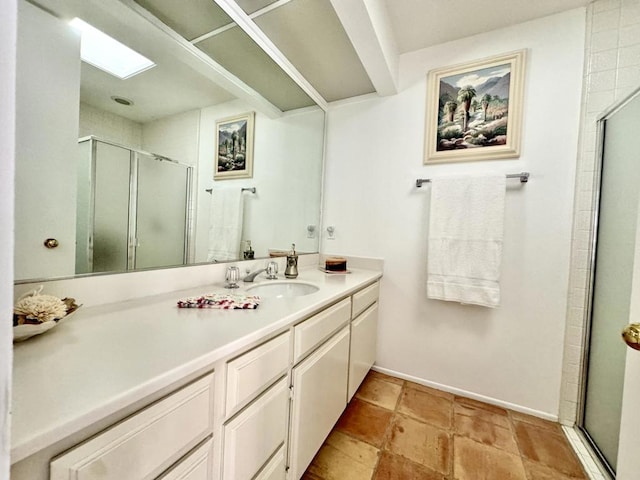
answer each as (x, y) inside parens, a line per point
(232, 276)
(272, 270)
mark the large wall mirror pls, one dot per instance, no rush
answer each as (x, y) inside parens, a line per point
(118, 174)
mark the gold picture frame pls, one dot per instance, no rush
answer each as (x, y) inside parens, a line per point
(474, 110)
(234, 147)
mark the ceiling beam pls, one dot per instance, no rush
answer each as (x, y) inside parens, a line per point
(198, 60)
(238, 15)
(367, 25)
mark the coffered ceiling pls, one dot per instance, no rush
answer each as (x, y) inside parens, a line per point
(342, 48)
(279, 55)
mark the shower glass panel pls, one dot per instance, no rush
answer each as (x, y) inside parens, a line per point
(133, 209)
(110, 208)
(617, 217)
(84, 208)
(162, 206)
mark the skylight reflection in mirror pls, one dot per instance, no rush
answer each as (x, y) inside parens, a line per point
(108, 54)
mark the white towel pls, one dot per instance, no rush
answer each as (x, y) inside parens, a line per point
(466, 228)
(225, 224)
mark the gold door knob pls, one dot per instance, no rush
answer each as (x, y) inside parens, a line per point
(631, 335)
(51, 243)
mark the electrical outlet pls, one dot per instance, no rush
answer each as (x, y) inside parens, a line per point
(331, 233)
(311, 231)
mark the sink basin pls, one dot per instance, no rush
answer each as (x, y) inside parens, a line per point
(282, 289)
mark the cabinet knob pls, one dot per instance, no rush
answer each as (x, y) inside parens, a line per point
(51, 243)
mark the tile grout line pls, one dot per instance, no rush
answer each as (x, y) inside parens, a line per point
(449, 475)
(395, 414)
(388, 430)
(514, 435)
(387, 433)
(452, 428)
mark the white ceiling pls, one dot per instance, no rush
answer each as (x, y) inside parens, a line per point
(340, 48)
(382, 30)
(418, 24)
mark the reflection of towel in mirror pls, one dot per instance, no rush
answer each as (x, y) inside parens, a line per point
(466, 228)
(225, 224)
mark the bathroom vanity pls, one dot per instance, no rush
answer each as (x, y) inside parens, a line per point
(143, 390)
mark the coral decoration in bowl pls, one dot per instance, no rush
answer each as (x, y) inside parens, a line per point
(34, 313)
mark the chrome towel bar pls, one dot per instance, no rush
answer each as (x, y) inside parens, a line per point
(244, 189)
(523, 176)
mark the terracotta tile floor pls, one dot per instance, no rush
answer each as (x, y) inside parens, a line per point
(397, 430)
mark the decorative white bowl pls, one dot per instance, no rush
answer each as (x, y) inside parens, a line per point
(22, 332)
(28, 330)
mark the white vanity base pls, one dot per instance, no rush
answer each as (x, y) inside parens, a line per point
(100, 390)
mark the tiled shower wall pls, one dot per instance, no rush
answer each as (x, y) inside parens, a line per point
(612, 72)
(109, 126)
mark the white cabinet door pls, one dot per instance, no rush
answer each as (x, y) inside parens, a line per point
(319, 398)
(364, 333)
(253, 436)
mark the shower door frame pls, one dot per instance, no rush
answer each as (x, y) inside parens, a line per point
(603, 464)
(133, 202)
(597, 182)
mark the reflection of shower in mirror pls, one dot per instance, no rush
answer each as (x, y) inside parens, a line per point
(135, 209)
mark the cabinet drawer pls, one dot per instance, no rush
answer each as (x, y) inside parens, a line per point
(364, 334)
(195, 466)
(144, 445)
(248, 374)
(275, 469)
(313, 331)
(252, 437)
(364, 298)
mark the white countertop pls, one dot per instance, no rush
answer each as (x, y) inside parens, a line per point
(107, 357)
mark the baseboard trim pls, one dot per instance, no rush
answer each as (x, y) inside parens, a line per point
(464, 393)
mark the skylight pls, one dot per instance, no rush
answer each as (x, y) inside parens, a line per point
(106, 53)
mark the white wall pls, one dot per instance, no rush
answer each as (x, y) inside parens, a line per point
(109, 126)
(8, 23)
(510, 355)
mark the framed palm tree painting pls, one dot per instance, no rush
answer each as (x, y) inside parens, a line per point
(234, 150)
(474, 110)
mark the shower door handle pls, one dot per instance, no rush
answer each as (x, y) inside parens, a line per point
(631, 335)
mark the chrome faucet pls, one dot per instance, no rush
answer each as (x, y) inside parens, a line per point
(271, 269)
(251, 276)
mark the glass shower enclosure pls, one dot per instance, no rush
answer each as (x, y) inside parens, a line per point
(612, 277)
(133, 209)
